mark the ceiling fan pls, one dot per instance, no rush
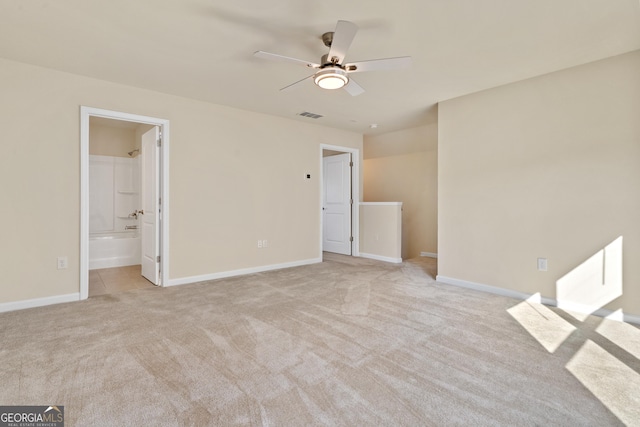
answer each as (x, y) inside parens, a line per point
(333, 72)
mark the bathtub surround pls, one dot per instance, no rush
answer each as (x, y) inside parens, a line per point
(114, 199)
(350, 341)
(114, 193)
(114, 249)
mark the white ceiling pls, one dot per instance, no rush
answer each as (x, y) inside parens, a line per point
(203, 49)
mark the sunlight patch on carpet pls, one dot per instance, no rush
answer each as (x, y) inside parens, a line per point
(601, 373)
(549, 329)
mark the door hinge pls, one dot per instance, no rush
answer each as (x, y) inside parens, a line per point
(159, 142)
(351, 239)
(351, 201)
(158, 258)
(350, 164)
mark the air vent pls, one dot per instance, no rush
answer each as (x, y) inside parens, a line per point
(310, 115)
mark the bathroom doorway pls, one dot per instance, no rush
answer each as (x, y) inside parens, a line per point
(124, 202)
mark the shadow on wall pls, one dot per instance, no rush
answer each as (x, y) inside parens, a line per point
(608, 361)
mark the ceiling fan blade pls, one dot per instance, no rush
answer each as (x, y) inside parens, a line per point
(293, 85)
(353, 88)
(342, 38)
(379, 64)
(281, 58)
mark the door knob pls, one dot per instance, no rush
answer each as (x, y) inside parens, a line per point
(141, 212)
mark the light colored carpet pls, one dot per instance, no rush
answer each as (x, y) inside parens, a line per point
(345, 342)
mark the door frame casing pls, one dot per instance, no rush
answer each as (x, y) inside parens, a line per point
(355, 195)
(163, 164)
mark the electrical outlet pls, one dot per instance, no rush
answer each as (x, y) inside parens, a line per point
(63, 262)
(259, 244)
(542, 264)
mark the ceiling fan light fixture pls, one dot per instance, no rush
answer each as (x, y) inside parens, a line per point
(331, 78)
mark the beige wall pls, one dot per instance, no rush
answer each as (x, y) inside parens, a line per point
(402, 166)
(110, 140)
(381, 231)
(235, 177)
(547, 167)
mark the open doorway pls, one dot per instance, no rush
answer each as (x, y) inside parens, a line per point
(124, 200)
(340, 196)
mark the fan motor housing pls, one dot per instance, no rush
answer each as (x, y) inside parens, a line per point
(327, 38)
(325, 61)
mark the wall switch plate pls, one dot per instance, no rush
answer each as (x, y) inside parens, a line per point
(63, 262)
(542, 264)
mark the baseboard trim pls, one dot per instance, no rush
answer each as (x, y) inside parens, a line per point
(240, 272)
(582, 309)
(429, 254)
(620, 316)
(600, 312)
(38, 302)
(490, 289)
(381, 258)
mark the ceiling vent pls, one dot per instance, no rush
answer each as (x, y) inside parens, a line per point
(310, 115)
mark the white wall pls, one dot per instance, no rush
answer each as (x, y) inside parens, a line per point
(235, 177)
(547, 167)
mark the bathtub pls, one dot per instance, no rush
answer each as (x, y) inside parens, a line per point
(114, 249)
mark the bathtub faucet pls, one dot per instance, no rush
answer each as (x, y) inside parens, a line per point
(130, 227)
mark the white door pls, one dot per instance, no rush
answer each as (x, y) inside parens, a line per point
(149, 218)
(336, 206)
